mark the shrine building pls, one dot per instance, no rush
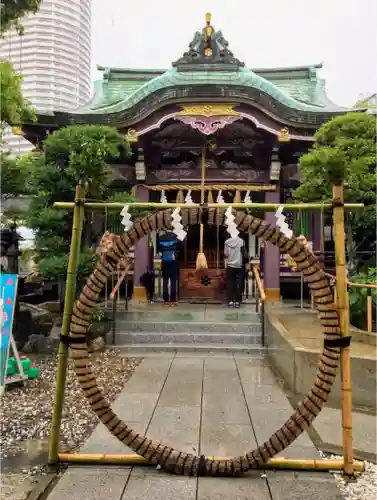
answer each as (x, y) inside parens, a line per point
(254, 124)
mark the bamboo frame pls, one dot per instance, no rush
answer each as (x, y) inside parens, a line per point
(74, 254)
(266, 207)
(370, 287)
(273, 463)
(343, 311)
(369, 313)
(347, 464)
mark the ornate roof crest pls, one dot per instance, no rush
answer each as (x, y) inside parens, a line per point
(208, 51)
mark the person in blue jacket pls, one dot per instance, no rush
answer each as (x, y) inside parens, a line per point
(168, 248)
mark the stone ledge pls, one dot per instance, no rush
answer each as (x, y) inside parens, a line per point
(298, 364)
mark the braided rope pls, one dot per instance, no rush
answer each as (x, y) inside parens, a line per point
(167, 457)
(210, 187)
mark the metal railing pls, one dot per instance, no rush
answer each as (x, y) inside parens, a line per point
(115, 297)
(260, 297)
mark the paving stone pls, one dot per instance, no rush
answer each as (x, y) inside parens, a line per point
(149, 377)
(219, 365)
(266, 396)
(225, 378)
(218, 409)
(176, 426)
(178, 392)
(328, 424)
(90, 483)
(226, 440)
(135, 407)
(303, 486)
(149, 484)
(255, 375)
(250, 487)
(102, 441)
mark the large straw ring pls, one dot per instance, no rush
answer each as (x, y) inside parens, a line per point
(166, 456)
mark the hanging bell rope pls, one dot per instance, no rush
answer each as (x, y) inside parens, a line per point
(201, 261)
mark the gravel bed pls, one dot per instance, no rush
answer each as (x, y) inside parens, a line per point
(365, 486)
(25, 413)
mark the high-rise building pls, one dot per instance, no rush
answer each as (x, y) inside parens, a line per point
(53, 55)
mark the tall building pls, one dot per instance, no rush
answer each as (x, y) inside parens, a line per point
(53, 55)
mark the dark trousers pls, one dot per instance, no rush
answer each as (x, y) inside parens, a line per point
(234, 284)
(169, 274)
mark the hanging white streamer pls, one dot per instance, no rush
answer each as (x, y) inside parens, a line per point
(247, 198)
(280, 222)
(220, 198)
(163, 198)
(177, 225)
(126, 218)
(230, 224)
(188, 199)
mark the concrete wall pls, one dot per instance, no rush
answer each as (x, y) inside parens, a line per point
(298, 365)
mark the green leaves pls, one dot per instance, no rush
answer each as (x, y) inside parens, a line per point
(14, 108)
(15, 174)
(12, 11)
(358, 296)
(344, 149)
(71, 154)
(55, 267)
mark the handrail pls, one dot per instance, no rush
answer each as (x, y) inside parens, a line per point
(369, 298)
(259, 282)
(119, 282)
(352, 283)
(261, 301)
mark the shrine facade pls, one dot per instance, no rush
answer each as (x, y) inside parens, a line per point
(253, 125)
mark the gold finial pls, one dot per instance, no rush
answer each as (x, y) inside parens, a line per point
(208, 17)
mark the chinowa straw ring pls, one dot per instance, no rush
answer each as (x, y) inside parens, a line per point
(167, 457)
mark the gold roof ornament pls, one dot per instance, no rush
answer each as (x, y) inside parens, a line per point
(284, 135)
(17, 131)
(131, 135)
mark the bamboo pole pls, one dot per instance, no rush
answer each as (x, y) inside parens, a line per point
(342, 305)
(273, 463)
(369, 312)
(201, 261)
(74, 254)
(266, 207)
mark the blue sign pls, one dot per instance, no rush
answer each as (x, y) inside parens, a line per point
(8, 291)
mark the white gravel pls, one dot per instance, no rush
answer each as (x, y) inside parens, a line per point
(365, 486)
(25, 413)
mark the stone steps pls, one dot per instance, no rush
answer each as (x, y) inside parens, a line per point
(207, 349)
(188, 327)
(154, 338)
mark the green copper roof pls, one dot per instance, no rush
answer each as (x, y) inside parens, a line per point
(122, 89)
(209, 62)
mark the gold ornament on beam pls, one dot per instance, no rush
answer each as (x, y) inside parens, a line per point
(284, 135)
(208, 110)
(131, 135)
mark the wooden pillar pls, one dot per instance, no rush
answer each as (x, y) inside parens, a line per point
(271, 255)
(141, 254)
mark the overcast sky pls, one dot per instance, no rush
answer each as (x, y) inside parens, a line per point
(267, 33)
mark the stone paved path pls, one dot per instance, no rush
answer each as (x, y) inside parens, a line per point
(206, 405)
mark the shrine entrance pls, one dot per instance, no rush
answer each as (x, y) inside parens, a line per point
(212, 285)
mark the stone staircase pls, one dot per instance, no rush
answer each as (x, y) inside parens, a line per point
(188, 328)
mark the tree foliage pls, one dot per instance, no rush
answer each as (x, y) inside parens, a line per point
(358, 296)
(344, 149)
(14, 108)
(15, 174)
(12, 12)
(71, 154)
